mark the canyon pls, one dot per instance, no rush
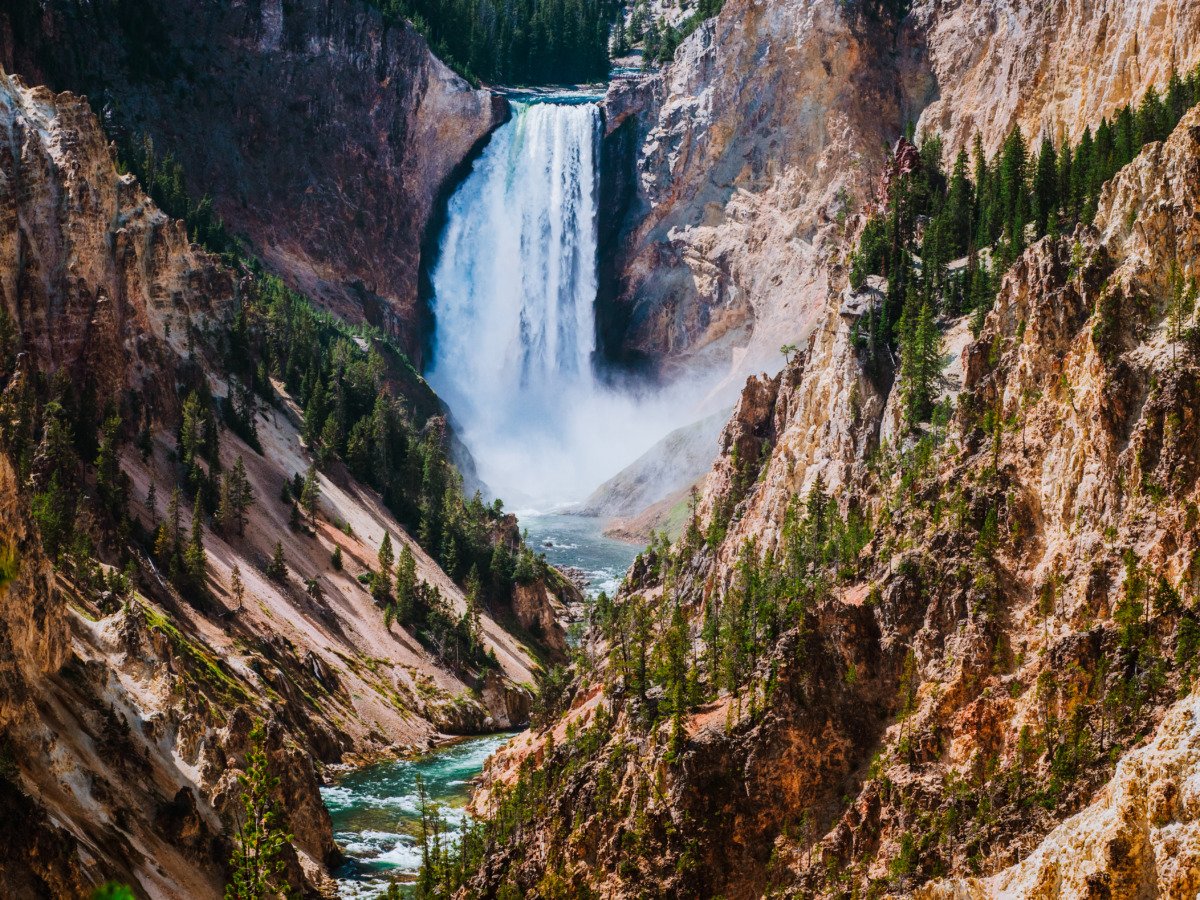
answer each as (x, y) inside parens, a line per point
(136, 710)
(979, 680)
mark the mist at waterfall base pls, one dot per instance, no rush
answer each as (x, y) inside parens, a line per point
(514, 291)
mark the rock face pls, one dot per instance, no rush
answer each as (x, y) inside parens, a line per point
(1141, 836)
(323, 134)
(732, 175)
(748, 154)
(1055, 67)
(944, 713)
(124, 721)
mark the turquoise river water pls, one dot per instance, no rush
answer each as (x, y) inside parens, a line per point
(374, 809)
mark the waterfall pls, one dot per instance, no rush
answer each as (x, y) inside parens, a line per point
(514, 292)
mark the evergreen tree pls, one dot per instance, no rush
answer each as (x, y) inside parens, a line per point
(241, 495)
(920, 364)
(1065, 195)
(310, 494)
(236, 587)
(1012, 193)
(472, 621)
(195, 559)
(1045, 189)
(109, 478)
(257, 863)
(277, 566)
(960, 201)
(1083, 174)
(381, 583)
(406, 586)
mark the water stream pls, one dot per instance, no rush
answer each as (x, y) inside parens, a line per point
(374, 809)
(514, 302)
(376, 814)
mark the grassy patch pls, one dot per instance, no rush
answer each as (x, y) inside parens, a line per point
(10, 564)
(204, 664)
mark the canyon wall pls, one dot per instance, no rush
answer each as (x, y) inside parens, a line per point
(1051, 68)
(747, 155)
(731, 174)
(322, 133)
(126, 712)
(955, 702)
(943, 714)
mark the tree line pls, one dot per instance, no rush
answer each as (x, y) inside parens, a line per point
(516, 42)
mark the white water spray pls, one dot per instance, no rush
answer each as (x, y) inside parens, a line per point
(514, 302)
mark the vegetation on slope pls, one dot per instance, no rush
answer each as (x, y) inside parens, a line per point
(987, 211)
(772, 643)
(525, 42)
(365, 407)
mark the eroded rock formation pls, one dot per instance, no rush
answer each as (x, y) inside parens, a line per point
(1018, 622)
(322, 133)
(125, 717)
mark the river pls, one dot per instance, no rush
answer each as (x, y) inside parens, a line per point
(515, 359)
(376, 814)
(374, 809)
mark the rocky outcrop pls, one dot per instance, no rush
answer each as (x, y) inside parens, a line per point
(1022, 616)
(749, 153)
(747, 156)
(125, 712)
(328, 134)
(1051, 68)
(1141, 837)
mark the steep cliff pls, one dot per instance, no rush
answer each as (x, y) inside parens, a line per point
(745, 157)
(127, 701)
(867, 667)
(322, 134)
(1053, 68)
(732, 173)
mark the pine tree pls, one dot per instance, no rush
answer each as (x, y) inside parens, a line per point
(1082, 176)
(1045, 189)
(236, 587)
(277, 567)
(1013, 197)
(195, 559)
(226, 515)
(1065, 165)
(920, 365)
(960, 200)
(985, 213)
(257, 863)
(310, 494)
(109, 486)
(168, 547)
(381, 583)
(241, 494)
(471, 616)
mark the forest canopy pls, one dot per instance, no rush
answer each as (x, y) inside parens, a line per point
(515, 41)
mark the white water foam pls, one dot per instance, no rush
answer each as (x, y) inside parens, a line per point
(514, 302)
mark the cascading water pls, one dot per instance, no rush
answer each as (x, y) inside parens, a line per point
(514, 303)
(514, 293)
